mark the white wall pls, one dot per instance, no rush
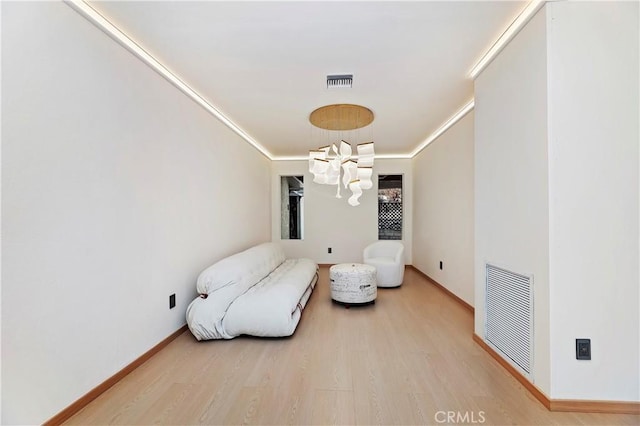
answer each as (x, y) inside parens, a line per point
(557, 130)
(117, 191)
(443, 210)
(332, 222)
(511, 182)
(593, 172)
(1, 350)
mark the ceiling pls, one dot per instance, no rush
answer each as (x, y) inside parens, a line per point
(263, 65)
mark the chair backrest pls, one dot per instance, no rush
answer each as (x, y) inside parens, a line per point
(384, 248)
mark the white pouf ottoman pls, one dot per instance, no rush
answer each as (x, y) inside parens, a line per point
(353, 283)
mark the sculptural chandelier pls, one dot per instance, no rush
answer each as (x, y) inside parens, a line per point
(327, 163)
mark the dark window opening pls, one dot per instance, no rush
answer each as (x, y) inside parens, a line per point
(390, 207)
(292, 207)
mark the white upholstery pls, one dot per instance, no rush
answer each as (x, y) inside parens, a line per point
(256, 292)
(388, 258)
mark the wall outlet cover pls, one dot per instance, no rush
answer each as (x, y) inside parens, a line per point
(583, 349)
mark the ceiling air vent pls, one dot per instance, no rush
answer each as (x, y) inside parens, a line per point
(342, 80)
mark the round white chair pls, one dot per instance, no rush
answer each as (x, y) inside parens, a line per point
(388, 259)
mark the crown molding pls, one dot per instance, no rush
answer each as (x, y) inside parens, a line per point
(512, 30)
(93, 16)
(102, 23)
(447, 124)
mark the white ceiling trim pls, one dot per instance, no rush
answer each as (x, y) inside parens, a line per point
(377, 157)
(118, 35)
(114, 32)
(432, 137)
(447, 124)
(521, 20)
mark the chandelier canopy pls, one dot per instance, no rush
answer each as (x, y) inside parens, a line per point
(327, 162)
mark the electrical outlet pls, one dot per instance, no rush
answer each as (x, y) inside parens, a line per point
(172, 301)
(441, 265)
(329, 250)
(583, 349)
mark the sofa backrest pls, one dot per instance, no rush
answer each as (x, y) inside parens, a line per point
(245, 268)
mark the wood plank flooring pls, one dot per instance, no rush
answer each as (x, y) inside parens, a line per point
(404, 360)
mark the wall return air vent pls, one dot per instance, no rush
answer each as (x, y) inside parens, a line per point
(341, 80)
(509, 316)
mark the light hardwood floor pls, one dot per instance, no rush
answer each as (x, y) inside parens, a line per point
(405, 360)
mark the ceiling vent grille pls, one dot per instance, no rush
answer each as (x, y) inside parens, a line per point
(342, 80)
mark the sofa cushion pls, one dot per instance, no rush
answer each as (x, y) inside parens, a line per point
(272, 307)
(244, 269)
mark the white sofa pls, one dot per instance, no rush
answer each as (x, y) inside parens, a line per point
(388, 258)
(256, 292)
